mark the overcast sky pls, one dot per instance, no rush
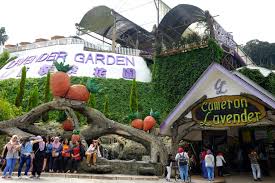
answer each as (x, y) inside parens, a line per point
(26, 20)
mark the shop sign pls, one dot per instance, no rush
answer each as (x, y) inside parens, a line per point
(228, 111)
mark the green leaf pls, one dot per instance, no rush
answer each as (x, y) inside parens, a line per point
(60, 66)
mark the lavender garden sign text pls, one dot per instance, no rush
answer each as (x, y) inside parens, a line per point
(85, 63)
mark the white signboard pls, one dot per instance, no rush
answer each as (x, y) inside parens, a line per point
(85, 63)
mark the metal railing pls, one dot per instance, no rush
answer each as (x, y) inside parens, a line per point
(244, 56)
(68, 41)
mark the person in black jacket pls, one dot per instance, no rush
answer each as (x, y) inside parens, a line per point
(39, 153)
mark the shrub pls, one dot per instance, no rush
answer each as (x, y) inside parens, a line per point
(8, 111)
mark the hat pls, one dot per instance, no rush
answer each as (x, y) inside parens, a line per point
(180, 150)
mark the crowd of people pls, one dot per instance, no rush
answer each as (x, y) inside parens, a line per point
(51, 154)
(185, 160)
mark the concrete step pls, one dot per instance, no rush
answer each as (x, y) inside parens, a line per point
(194, 178)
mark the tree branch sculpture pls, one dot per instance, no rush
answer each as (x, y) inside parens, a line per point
(98, 126)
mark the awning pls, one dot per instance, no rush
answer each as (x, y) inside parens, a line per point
(100, 20)
(177, 20)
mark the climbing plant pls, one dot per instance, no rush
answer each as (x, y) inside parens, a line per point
(174, 75)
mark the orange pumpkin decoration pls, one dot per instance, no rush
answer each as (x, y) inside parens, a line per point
(59, 83)
(68, 125)
(78, 92)
(137, 123)
(148, 123)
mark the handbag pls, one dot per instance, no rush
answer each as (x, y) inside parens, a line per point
(55, 154)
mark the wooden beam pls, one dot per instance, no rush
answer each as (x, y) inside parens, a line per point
(256, 99)
(180, 120)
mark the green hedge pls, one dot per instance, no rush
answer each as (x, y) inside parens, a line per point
(255, 75)
(174, 75)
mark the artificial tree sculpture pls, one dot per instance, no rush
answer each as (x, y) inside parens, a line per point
(98, 126)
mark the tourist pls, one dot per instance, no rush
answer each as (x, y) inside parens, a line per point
(39, 154)
(75, 157)
(48, 162)
(264, 162)
(65, 155)
(13, 147)
(56, 154)
(3, 159)
(240, 159)
(209, 164)
(84, 145)
(203, 168)
(169, 167)
(25, 156)
(182, 159)
(219, 163)
(83, 149)
(256, 171)
(92, 153)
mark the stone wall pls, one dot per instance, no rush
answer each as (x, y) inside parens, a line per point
(123, 167)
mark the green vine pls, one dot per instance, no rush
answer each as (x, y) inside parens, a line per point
(175, 75)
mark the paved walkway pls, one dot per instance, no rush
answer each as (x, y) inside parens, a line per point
(97, 178)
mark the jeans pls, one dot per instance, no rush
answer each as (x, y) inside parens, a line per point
(10, 166)
(203, 169)
(220, 171)
(210, 173)
(183, 172)
(24, 159)
(256, 171)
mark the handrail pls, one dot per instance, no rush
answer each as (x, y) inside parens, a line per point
(66, 41)
(247, 60)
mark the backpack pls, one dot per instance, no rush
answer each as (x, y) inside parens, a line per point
(182, 160)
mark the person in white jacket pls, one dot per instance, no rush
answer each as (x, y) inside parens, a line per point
(219, 163)
(209, 164)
